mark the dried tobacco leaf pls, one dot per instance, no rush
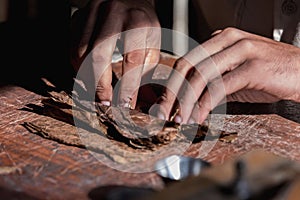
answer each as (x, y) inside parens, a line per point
(135, 128)
(124, 135)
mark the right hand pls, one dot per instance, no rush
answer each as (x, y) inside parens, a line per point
(95, 31)
(233, 65)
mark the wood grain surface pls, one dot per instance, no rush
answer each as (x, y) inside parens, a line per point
(32, 167)
(49, 170)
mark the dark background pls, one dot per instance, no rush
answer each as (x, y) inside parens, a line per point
(35, 46)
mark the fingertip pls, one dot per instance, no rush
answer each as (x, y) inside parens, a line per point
(104, 97)
(160, 115)
(178, 119)
(191, 121)
(199, 114)
(105, 103)
(125, 105)
(156, 111)
(202, 116)
(165, 107)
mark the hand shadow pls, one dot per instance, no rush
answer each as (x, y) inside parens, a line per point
(115, 192)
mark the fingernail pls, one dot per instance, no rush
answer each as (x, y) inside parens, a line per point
(178, 119)
(126, 105)
(161, 115)
(191, 121)
(105, 103)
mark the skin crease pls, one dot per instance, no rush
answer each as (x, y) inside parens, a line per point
(100, 20)
(242, 67)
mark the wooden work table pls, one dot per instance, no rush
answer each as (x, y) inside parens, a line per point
(33, 167)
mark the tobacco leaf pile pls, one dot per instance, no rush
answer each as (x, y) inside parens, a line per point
(124, 135)
(118, 135)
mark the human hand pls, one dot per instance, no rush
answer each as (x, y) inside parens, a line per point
(95, 32)
(238, 65)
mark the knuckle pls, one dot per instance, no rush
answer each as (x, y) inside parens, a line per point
(213, 87)
(204, 105)
(247, 44)
(155, 57)
(182, 66)
(138, 13)
(167, 98)
(152, 59)
(230, 29)
(199, 75)
(166, 106)
(104, 95)
(231, 77)
(97, 56)
(139, 18)
(231, 32)
(163, 98)
(136, 58)
(104, 88)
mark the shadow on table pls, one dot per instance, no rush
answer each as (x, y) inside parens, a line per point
(286, 109)
(14, 195)
(119, 193)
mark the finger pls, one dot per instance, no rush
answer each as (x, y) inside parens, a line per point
(227, 37)
(91, 13)
(95, 71)
(151, 60)
(134, 57)
(153, 50)
(221, 40)
(129, 83)
(104, 44)
(153, 44)
(232, 82)
(212, 68)
(171, 94)
(101, 57)
(185, 64)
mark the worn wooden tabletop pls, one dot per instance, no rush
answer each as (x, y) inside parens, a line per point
(32, 167)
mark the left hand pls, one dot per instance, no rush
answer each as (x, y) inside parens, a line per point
(238, 65)
(96, 29)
